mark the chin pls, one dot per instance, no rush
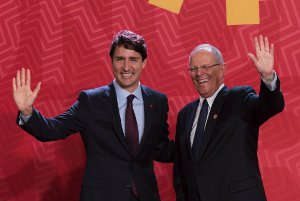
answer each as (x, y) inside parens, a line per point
(204, 95)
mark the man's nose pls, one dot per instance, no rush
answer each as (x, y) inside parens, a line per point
(200, 71)
(126, 64)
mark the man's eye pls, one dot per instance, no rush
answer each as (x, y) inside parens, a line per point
(118, 59)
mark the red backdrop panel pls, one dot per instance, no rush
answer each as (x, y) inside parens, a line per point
(65, 44)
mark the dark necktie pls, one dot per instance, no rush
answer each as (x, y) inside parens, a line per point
(131, 133)
(198, 138)
(131, 128)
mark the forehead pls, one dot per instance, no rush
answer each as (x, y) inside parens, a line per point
(202, 57)
(122, 51)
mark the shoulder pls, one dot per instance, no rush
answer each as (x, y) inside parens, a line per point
(238, 96)
(154, 93)
(187, 108)
(95, 92)
(241, 91)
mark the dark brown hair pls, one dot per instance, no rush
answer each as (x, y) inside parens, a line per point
(129, 40)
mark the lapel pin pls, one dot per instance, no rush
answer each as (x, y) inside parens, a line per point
(151, 106)
(215, 116)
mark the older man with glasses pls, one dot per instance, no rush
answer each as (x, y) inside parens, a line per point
(216, 135)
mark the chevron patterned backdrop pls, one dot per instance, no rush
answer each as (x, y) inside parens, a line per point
(65, 44)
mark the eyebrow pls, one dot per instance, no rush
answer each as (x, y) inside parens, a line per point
(134, 57)
(208, 64)
(122, 57)
(131, 57)
(118, 57)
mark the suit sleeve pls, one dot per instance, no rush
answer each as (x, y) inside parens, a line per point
(164, 151)
(177, 169)
(271, 101)
(264, 106)
(50, 129)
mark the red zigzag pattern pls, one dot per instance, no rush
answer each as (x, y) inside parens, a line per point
(65, 44)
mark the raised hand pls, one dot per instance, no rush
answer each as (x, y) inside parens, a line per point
(264, 59)
(23, 96)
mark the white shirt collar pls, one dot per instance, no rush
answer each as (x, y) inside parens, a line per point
(122, 93)
(210, 100)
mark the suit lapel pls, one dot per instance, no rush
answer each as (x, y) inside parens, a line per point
(189, 125)
(149, 105)
(110, 101)
(212, 120)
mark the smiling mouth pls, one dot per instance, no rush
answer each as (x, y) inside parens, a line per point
(127, 75)
(202, 81)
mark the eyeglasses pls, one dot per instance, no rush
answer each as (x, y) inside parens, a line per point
(204, 67)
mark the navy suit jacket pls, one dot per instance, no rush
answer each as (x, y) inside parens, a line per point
(228, 169)
(109, 166)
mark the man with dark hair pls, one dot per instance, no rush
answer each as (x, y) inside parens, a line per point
(123, 126)
(217, 134)
(130, 41)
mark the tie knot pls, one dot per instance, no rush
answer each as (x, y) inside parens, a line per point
(204, 103)
(130, 98)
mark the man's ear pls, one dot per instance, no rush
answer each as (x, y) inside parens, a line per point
(225, 67)
(144, 63)
(223, 70)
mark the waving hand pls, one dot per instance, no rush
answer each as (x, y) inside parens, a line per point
(264, 59)
(23, 96)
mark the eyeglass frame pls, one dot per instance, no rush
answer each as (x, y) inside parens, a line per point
(204, 67)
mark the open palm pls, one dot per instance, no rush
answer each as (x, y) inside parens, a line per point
(264, 59)
(23, 95)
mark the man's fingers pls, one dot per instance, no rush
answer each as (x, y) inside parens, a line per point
(272, 49)
(14, 85)
(28, 78)
(23, 77)
(18, 79)
(256, 44)
(37, 89)
(252, 57)
(267, 48)
(261, 43)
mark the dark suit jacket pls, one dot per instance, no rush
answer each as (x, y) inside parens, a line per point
(109, 167)
(228, 169)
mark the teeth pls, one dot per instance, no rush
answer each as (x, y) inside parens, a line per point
(126, 74)
(202, 81)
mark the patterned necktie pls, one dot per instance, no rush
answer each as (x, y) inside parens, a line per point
(198, 138)
(131, 133)
(131, 128)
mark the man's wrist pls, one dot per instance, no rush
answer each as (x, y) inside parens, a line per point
(26, 113)
(268, 77)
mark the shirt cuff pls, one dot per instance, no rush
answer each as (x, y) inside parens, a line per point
(271, 84)
(23, 119)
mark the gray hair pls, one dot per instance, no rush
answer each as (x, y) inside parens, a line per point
(208, 48)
